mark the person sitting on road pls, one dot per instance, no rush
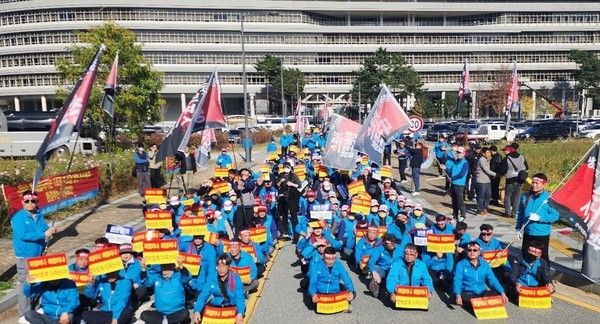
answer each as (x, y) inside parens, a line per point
(461, 238)
(81, 266)
(132, 270)
(365, 245)
(473, 276)
(223, 289)
(440, 266)
(442, 226)
(417, 216)
(241, 261)
(58, 300)
(259, 254)
(114, 293)
(530, 271)
(408, 272)
(383, 218)
(325, 277)
(488, 242)
(381, 260)
(401, 229)
(169, 295)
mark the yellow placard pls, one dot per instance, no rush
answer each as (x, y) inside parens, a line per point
(105, 261)
(361, 206)
(356, 187)
(386, 171)
(187, 202)
(412, 297)
(294, 148)
(155, 196)
(535, 297)
(300, 171)
(265, 177)
(244, 273)
(160, 252)
(80, 278)
(258, 234)
(222, 187)
(265, 169)
(193, 225)
(440, 243)
(495, 258)
(272, 156)
(219, 315)
(191, 262)
(489, 307)
(138, 241)
(158, 219)
(48, 267)
(221, 172)
(332, 303)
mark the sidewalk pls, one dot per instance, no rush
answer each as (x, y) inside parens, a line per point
(565, 252)
(80, 230)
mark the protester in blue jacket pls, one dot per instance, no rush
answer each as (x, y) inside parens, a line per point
(224, 289)
(285, 141)
(208, 255)
(461, 238)
(29, 233)
(530, 271)
(169, 295)
(241, 260)
(440, 267)
(381, 260)
(473, 276)
(442, 226)
(457, 169)
(366, 244)
(326, 275)
(536, 214)
(58, 300)
(114, 293)
(408, 272)
(224, 160)
(132, 270)
(401, 229)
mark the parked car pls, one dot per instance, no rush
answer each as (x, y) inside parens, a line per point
(549, 131)
(592, 132)
(440, 129)
(496, 132)
(233, 136)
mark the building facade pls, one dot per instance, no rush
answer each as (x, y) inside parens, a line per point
(327, 40)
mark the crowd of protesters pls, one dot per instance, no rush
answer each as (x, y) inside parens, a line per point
(383, 242)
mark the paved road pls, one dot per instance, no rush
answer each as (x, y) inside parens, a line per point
(282, 302)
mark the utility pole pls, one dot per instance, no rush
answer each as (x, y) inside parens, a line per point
(359, 105)
(283, 105)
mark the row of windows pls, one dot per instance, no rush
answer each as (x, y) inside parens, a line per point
(313, 79)
(305, 59)
(193, 15)
(300, 39)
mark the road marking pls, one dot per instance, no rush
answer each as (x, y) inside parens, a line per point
(253, 300)
(579, 303)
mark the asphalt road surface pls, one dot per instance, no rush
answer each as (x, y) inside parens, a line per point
(283, 302)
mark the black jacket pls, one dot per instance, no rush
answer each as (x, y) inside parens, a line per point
(518, 268)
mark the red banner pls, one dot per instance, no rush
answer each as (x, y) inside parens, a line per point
(56, 192)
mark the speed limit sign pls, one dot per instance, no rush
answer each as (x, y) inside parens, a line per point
(416, 123)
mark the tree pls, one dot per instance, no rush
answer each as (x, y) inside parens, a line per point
(138, 100)
(426, 107)
(588, 74)
(493, 102)
(387, 68)
(293, 79)
(527, 107)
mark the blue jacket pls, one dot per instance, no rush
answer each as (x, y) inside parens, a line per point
(363, 247)
(457, 170)
(398, 276)
(449, 229)
(111, 300)
(383, 258)
(55, 301)
(29, 239)
(385, 221)
(235, 293)
(439, 153)
(208, 255)
(402, 238)
(245, 260)
(74, 268)
(304, 242)
(169, 294)
(323, 280)
(445, 263)
(132, 271)
(493, 245)
(224, 160)
(536, 204)
(271, 147)
(286, 140)
(474, 279)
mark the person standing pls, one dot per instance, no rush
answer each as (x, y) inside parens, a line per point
(440, 148)
(495, 182)
(387, 154)
(536, 215)
(457, 170)
(30, 231)
(403, 157)
(155, 166)
(472, 156)
(224, 160)
(188, 164)
(142, 172)
(244, 188)
(515, 166)
(415, 163)
(483, 182)
(289, 191)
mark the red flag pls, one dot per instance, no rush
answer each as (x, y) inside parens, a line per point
(301, 123)
(203, 111)
(464, 91)
(325, 110)
(578, 201)
(69, 117)
(110, 88)
(512, 102)
(385, 120)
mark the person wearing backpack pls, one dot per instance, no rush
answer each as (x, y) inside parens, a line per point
(515, 169)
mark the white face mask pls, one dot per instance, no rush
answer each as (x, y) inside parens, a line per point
(227, 208)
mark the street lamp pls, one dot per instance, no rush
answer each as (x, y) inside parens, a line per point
(247, 142)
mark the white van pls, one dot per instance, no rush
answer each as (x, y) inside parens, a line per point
(496, 132)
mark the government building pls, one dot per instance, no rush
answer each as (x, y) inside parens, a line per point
(327, 40)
